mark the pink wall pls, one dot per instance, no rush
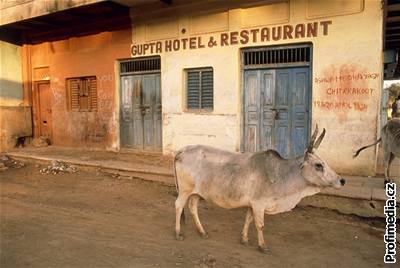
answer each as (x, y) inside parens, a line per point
(94, 55)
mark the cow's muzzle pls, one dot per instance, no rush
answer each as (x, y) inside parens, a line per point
(342, 181)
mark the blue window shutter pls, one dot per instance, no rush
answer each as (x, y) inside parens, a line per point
(193, 89)
(207, 85)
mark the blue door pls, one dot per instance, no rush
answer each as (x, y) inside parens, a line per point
(140, 126)
(276, 107)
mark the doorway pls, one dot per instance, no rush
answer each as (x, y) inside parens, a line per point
(140, 105)
(276, 100)
(42, 109)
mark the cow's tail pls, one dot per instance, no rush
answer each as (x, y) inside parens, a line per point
(176, 158)
(365, 147)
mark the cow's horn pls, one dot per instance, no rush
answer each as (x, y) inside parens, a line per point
(313, 137)
(319, 140)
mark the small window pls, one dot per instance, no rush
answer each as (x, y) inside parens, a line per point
(200, 89)
(82, 94)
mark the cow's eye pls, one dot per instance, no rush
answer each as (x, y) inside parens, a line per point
(319, 167)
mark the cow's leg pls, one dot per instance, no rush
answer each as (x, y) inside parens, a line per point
(193, 203)
(388, 160)
(258, 214)
(179, 205)
(245, 231)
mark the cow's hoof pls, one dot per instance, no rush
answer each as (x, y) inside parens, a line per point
(387, 181)
(264, 249)
(204, 235)
(179, 237)
(244, 241)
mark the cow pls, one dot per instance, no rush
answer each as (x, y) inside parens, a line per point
(263, 182)
(390, 141)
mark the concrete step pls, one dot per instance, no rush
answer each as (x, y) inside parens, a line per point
(346, 205)
(145, 172)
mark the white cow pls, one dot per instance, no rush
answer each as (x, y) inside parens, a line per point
(263, 182)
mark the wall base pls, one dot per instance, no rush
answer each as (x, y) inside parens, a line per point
(15, 122)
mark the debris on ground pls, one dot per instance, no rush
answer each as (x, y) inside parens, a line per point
(7, 162)
(57, 167)
(3, 167)
(40, 142)
(208, 261)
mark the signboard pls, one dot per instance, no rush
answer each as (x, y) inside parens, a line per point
(243, 37)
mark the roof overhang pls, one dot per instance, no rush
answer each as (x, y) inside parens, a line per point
(77, 21)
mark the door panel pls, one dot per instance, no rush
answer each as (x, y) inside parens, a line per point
(282, 90)
(252, 110)
(276, 110)
(137, 122)
(282, 117)
(45, 111)
(148, 103)
(141, 112)
(268, 115)
(126, 111)
(300, 110)
(157, 115)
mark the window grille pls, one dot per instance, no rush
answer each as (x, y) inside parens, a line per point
(82, 93)
(200, 89)
(271, 56)
(140, 65)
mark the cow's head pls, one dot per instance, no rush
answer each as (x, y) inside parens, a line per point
(315, 170)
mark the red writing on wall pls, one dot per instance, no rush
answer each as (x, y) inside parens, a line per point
(332, 105)
(349, 91)
(347, 77)
(346, 90)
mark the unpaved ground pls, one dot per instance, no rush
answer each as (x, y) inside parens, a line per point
(86, 219)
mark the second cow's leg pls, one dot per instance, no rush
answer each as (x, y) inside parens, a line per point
(193, 204)
(387, 161)
(245, 231)
(258, 213)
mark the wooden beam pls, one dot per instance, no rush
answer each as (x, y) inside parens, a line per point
(393, 7)
(168, 2)
(392, 29)
(393, 19)
(42, 23)
(393, 34)
(70, 13)
(78, 21)
(110, 24)
(393, 24)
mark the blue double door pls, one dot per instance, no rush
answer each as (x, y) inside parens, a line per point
(140, 110)
(276, 110)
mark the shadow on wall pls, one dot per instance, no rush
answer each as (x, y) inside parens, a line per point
(15, 119)
(11, 90)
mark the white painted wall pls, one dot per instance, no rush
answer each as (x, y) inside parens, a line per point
(352, 46)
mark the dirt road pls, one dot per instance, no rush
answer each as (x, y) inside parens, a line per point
(87, 219)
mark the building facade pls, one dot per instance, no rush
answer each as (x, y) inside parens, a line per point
(277, 71)
(241, 76)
